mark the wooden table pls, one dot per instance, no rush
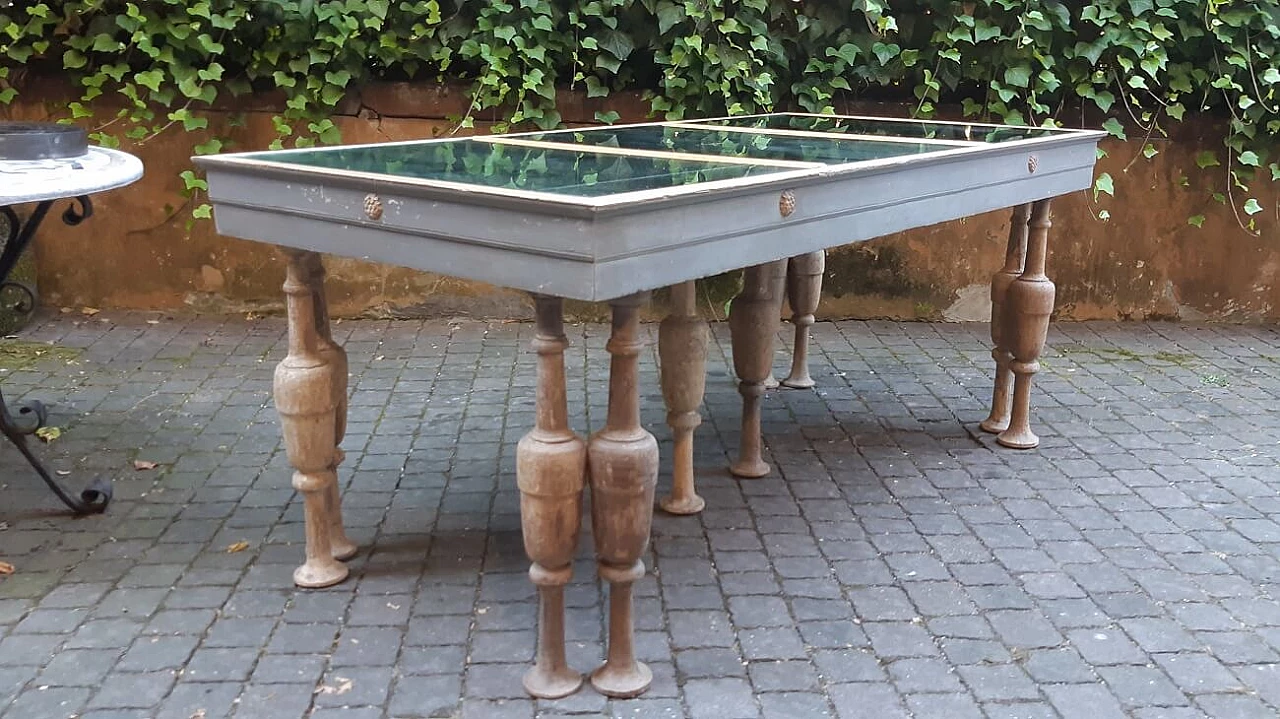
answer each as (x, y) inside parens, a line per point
(607, 215)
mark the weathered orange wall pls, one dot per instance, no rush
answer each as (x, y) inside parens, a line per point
(142, 251)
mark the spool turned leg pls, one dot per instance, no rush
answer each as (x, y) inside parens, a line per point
(682, 352)
(343, 547)
(753, 326)
(551, 474)
(1028, 305)
(623, 462)
(304, 397)
(1014, 257)
(804, 290)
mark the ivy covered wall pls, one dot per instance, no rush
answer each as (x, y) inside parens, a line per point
(1133, 66)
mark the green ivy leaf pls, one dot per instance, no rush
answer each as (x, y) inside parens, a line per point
(1207, 158)
(1250, 158)
(1252, 207)
(1114, 127)
(1018, 76)
(191, 182)
(1196, 220)
(1103, 184)
(885, 52)
(149, 79)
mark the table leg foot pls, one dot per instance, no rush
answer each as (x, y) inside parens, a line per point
(682, 351)
(550, 676)
(621, 676)
(1028, 306)
(804, 290)
(623, 471)
(753, 327)
(306, 401)
(1014, 259)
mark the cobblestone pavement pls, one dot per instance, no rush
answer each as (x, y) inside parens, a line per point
(897, 563)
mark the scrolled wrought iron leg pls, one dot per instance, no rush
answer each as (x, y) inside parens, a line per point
(93, 498)
(31, 415)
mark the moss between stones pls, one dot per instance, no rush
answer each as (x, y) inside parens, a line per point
(17, 354)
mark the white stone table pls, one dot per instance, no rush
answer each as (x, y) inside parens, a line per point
(39, 184)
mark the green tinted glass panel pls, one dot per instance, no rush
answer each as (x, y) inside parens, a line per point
(758, 146)
(887, 128)
(581, 173)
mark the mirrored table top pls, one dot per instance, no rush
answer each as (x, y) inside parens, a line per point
(607, 165)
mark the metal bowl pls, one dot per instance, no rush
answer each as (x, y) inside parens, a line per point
(26, 141)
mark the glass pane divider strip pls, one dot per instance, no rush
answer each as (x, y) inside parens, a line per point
(786, 132)
(650, 154)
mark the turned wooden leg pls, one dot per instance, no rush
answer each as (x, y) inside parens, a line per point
(551, 473)
(623, 469)
(1028, 304)
(682, 352)
(332, 352)
(804, 290)
(304, 397)
(1014, 257)
(753, 326)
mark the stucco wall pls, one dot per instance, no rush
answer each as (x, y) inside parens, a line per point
(1144, 261)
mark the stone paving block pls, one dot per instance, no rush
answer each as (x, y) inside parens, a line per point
(944, 706)
(711, 663)
(794, 705)
(792, 676)
(999, 682)
(720, 699)
(867, 701)
(156, 653)
(1139, 686)
(275, 701)
(53, 702)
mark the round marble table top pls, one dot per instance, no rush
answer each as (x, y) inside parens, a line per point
(38, 180)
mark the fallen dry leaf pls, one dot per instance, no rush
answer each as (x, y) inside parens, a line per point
(237, 547)
(48, 434)
(197, 714)
(5, 569)
(142, 465)
(89, 311)
(62, 472)
(342, 685)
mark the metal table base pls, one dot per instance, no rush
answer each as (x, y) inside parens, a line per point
(28, 417)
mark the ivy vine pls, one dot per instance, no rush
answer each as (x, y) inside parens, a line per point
(1136, 67)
